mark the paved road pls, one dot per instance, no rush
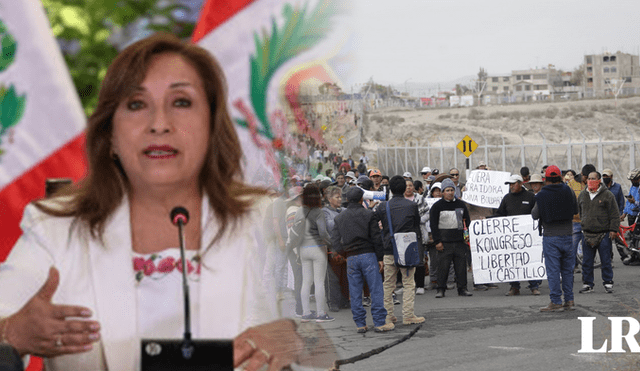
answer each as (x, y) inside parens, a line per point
(492, 332)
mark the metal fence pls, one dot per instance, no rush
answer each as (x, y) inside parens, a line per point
(619, 156)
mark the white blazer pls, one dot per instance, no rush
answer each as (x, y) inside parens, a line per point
(99, 275)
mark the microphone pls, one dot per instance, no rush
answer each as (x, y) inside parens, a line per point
(180, 217)
(186, 354)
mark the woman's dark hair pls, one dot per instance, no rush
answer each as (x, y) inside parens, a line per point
(418, 185)
(311, 197)
(106, 183)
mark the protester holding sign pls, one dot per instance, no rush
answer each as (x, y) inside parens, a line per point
(486, 188)
(555, 206)
(518, 201)
(449, 217)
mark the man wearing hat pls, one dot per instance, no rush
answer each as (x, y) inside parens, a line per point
(535, 183)
(615, 188)
(555, 207)
(349, 178)
(356, 235)
(407, 176)
(518, 202)
(426, 173)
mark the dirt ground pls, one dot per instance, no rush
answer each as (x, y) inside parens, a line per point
(559, 122)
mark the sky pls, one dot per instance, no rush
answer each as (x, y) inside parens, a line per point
(443, 40)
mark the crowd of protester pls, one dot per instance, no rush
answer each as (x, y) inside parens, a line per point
(336, 233)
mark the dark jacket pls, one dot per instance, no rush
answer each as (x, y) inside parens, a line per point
(356, 232)
(616, 189)
(520, 203)
(448, 219)
(405, 218)
(555, 207)
(600, 214)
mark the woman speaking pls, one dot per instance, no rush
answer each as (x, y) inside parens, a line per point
(97, 267)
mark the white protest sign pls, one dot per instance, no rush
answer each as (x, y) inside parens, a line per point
(486, 188)
(506, 249)
(431, 201)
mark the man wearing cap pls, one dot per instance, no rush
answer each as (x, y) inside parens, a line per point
(518, 202)
(407, 176)
(376, 177)
(482, 165)
(350, 178)
(615, 188)
(555, 207)
(600, 219)
(356, 235)
(448, 219)
(426, 173)
(404, 218)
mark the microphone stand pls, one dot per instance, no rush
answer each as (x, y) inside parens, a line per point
(187, 344)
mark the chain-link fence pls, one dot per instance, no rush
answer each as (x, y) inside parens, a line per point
(619, 156)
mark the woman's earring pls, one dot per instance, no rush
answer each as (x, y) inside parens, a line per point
(114, 156)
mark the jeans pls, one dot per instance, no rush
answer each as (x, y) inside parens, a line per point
(559, 260)
(314, 269)
(577, 237)
(589, 253)
(360, 268)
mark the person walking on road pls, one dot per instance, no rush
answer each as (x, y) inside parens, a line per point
(555, 207)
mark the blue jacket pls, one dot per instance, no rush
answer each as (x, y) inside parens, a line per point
(616, 189)
(632, 209)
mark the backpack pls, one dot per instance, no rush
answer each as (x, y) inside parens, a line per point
(405, 246)
(296, 233)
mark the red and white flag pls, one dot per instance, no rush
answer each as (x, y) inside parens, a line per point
(41, 118)
(268, 50)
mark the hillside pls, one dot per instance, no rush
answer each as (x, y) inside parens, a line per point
(556, 120)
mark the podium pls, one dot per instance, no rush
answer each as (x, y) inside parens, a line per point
(171, 355)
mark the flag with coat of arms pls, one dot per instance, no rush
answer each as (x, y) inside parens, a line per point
(41, 118)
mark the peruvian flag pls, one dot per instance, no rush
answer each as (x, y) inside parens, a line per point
(269, 49)
(41, 118)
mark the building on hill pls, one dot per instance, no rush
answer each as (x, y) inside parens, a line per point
(607, 71)
(525, 85)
